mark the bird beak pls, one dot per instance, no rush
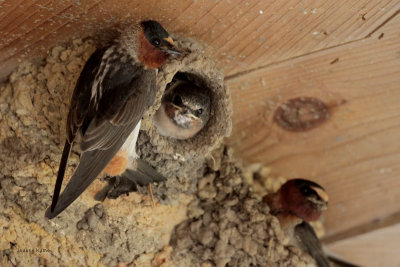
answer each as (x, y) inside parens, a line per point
(172, 52)
(193, 116)
(323, 206)
(168, 47)
(177, 107)
(320, 204)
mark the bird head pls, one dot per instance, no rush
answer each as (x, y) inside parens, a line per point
(184, 111)
(187, 105)
(155, 44)
(304, 199)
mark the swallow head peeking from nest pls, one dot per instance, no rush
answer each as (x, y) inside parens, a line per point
(184, 111)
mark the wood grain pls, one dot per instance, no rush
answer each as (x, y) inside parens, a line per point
(243, 35)
(378, 248)
(272, 51)
(355, 154)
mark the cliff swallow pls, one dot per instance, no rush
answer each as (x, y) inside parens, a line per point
(184, 111)
(295, 204)
(115, 87)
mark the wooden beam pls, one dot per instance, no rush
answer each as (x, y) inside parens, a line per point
(374, 225)
(243, 35)
(355, 153)
(376, 248)
(339, 53)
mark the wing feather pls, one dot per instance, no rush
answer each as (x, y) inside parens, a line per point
(311, 244)
(105, 122)
(121, 104)
(90, 166)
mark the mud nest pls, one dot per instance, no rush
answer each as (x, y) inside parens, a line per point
(184, 160)
(223, 222)
(202, 71)
(228, 225)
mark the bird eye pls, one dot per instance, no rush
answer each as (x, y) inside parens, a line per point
(306, 191)
(156, 41)
(199, 111)
(177, 100)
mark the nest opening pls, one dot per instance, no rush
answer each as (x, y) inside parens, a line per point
(200, 82)
(197, 68)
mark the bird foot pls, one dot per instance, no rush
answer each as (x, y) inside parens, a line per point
(116, 187)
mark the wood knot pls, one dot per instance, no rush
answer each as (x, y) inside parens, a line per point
(301, 114)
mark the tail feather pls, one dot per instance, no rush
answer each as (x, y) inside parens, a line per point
(61, 173)
(84, 175)
(91, 164)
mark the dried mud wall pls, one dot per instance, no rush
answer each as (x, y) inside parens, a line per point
(205, 214)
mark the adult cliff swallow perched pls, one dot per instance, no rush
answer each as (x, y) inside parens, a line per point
(115, 87)
(295, 204)
(184, 111)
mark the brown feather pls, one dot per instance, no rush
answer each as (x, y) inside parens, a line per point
(149, 55)
(296, 203)
(118, 164)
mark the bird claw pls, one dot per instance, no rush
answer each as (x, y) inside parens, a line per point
(116, 187)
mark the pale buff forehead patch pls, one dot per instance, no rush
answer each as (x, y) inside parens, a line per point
(169, 40)
(321, 193)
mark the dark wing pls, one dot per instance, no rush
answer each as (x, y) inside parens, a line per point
(81, 98)
(310, 243)
(78, 110)
(122, 93)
